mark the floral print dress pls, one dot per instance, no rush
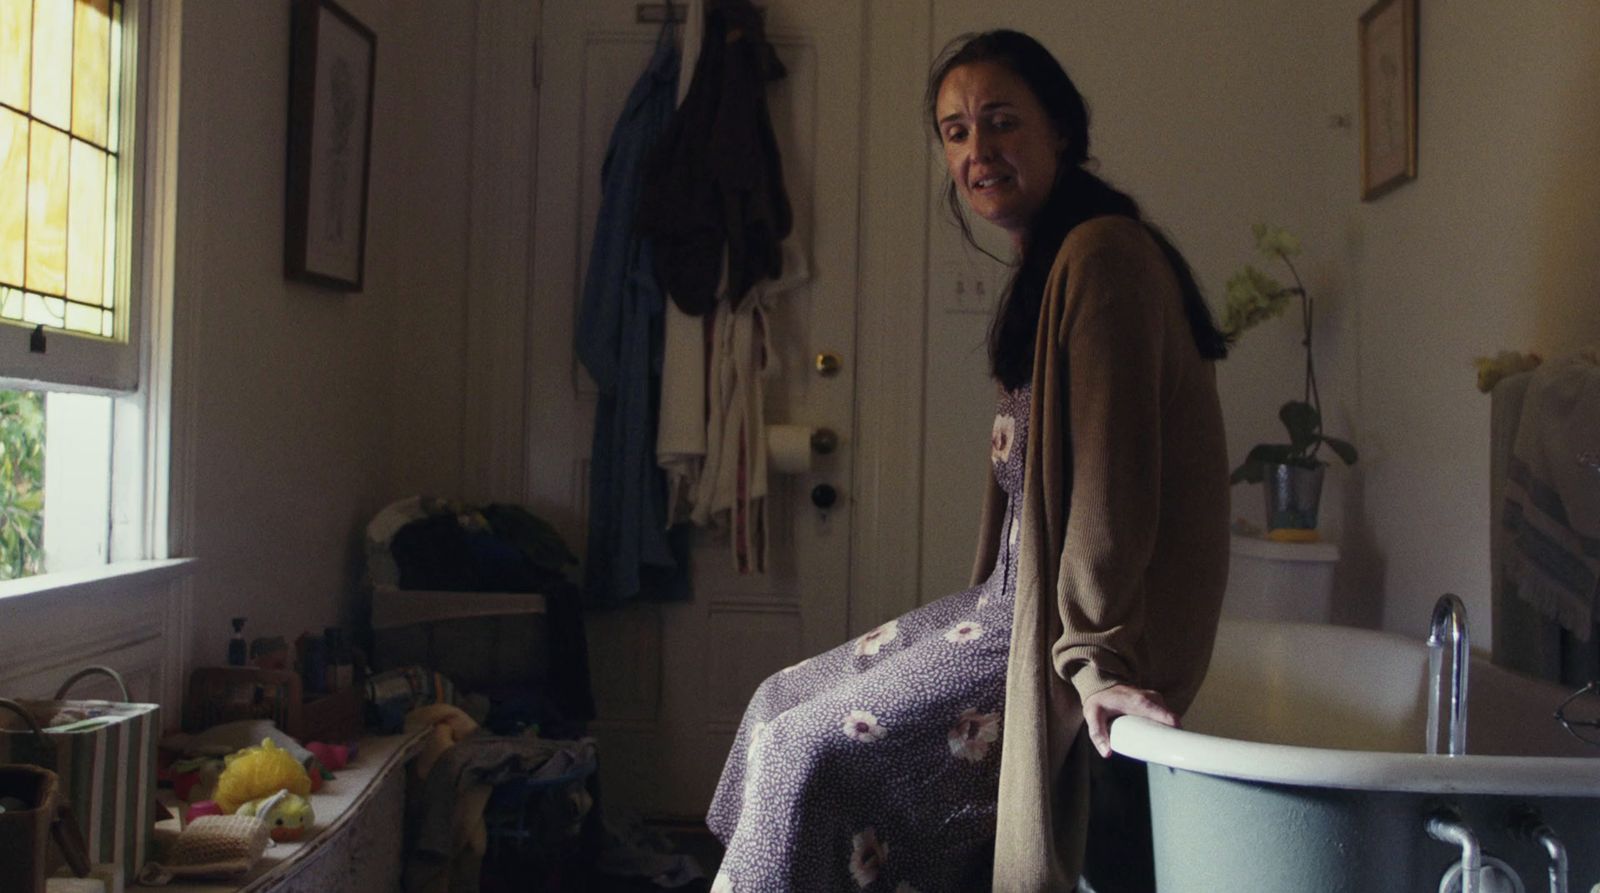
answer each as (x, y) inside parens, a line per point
(876, 765)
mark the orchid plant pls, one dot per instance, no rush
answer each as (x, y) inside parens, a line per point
(1253, 298)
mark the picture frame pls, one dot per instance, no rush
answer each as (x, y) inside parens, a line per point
(333, 61)
(1388, 96)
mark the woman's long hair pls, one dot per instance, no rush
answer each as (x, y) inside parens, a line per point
(1078, 195)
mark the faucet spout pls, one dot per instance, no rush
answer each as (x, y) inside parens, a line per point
(1449, 621)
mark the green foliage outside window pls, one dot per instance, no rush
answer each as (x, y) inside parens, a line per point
(21, 484)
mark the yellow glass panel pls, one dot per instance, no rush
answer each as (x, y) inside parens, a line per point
(86, 225)
(13, 195)
(83, 319)
(10, 303)
(37, 309)
(47, 210)
(114, 129)
(108, 323)
(16, 57)
(52, 62)
(91, 71)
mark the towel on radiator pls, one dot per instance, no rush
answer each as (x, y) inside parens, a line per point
(1551, 511)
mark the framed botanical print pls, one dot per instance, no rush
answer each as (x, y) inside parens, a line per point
(332, 64)
(1388, 96)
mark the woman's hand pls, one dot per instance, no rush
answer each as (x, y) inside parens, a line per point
(1100, 708)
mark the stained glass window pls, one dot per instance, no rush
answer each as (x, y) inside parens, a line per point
(60, 98)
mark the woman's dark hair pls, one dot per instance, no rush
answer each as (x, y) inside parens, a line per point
(1078, 195)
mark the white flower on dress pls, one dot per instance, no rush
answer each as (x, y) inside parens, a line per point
(867, 856)
(869, 644)
(863, 727)
(1005, 431)
(972, 734)
(722, 884)
(1016, 534)
(965, 631)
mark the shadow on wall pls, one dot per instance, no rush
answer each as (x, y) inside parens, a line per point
(1566, 286)
(1358, 577)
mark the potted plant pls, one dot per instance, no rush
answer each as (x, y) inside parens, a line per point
(1292, 471)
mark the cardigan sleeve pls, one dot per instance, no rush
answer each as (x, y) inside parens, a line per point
(1110, 336)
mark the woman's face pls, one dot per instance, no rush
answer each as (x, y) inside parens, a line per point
(999, 144)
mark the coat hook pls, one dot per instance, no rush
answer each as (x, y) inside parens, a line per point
(36, 340)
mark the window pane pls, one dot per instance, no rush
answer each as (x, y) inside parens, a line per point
(40, 309)
(86, 220)
(108, 323)
(47, 210)
(22, 421)
(91, 71)
(83, 319)
(10, 303)
(13, 194)
(52, 62)
(16, 39)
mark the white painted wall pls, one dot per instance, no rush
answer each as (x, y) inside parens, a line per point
(312, 408)
(1495, 246)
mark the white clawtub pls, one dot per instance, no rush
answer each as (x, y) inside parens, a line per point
(1300, 767)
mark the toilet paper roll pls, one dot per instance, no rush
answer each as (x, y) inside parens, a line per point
(788, 449)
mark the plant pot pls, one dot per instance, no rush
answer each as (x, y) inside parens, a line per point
(1292, 495)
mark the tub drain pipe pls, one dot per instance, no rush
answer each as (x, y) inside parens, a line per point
(1528, 826)
(1546, 838)
(1446, 827)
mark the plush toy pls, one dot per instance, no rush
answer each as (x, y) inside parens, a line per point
(287, 815)
(259, 772)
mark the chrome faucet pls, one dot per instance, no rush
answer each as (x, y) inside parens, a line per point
(1449, 616)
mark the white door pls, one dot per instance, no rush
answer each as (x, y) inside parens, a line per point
(672, 681)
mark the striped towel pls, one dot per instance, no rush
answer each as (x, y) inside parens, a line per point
(1551, 512)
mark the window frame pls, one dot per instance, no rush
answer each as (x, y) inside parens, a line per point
(74, 361)
(136, 373)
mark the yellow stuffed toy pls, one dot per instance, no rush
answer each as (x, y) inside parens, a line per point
(257, 772)
(286, 814)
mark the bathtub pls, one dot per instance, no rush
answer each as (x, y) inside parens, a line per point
(1300, 769)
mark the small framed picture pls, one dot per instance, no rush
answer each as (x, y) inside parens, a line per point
(332, 61)
(1388, 96)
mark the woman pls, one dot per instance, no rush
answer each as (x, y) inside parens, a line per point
(897, 760)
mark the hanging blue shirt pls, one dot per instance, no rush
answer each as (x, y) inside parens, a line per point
(620, 341)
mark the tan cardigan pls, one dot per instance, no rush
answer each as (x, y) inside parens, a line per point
(1124, 532)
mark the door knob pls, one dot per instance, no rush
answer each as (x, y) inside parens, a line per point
(823, 496)
(824, 441)
(828, 364)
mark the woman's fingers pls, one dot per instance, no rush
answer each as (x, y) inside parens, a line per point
(1100, 708)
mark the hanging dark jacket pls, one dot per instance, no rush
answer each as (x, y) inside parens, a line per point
(714, 182)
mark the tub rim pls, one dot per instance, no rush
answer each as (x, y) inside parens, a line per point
(1157, 744)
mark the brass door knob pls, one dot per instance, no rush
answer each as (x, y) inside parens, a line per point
(829, 364)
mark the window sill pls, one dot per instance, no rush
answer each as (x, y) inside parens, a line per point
(89, 582)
